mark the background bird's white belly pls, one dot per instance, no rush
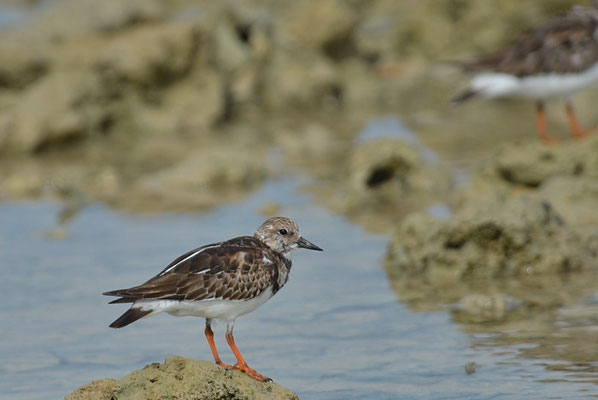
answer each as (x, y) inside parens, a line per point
(557, 85)
(211, 308)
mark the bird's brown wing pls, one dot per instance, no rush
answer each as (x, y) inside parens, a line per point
(232, 270)
(566, 44)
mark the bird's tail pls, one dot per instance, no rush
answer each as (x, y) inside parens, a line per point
(130, 316)
(464, 96)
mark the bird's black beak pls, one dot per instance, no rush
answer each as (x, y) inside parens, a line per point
(305, 244)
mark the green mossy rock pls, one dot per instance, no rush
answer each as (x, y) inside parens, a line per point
(180, 378)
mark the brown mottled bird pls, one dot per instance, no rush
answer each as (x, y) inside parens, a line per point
(554, 60)
(219, 281)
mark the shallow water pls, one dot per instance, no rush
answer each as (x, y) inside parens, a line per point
(336, 331)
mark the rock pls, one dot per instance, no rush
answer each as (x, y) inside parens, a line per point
(230, 54)
(26, 181)
(181, 378)
(575, 198)
(444, 30)
(22, 64)
(111, 15)
(203, 180)
(150, 55)
(384, 170)
(314, 147)
(532, 163)
(97, 390)
(379, 163)
(535, 166)
(290, 83)
(482, 188)
(382, 181)
(524, 236)
(86, 17)
(62, 106)
(520, 249)
(189, 107)
(318, 23)
(470, 367)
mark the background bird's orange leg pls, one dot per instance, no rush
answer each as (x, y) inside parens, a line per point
(575, 129)
(241, 365)
(210, 337)
(541, 120)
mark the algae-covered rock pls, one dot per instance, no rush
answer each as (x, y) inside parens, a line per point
(190, 107)
(67, 18)
(392, 168)
(441, 29)
(380, 163)
(181, 378)
(60, 107)
(202, 180)
(522, 237)
(531, 164)
(391, 173)
(21, 65)
(382, 180)
(314, 147)
(576, 199)
(97, 390)
(150, 55)
(521, 249)
(562, 173)
(329, 22)
(300, 84)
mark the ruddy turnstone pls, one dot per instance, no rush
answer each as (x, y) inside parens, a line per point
(219, 281)
(554, 60)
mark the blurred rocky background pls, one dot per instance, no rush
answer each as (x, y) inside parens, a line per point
(156, 105)
(167, 105)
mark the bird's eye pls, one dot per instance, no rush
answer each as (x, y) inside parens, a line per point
(283, 231)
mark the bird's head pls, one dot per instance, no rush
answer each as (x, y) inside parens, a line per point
(282, 235)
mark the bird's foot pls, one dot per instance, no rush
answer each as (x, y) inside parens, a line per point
(250, 372)
(579, 133)
(224, 365)
(549, 140)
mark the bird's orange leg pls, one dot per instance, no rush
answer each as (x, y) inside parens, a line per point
(210, 337)
(575, 129)
(541, 120)
(241, 365)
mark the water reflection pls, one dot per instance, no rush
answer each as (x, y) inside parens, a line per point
(550, 320)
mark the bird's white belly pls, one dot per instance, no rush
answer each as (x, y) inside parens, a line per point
(557, 85)
(211, 308)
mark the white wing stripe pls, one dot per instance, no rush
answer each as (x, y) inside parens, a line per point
(185, 259)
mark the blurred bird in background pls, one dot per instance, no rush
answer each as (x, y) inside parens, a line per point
(552, 61)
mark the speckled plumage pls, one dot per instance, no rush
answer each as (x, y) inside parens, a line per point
(565, 44)
(221, 280)
(236, 269)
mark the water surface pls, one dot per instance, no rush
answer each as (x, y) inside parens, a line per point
(335, 331)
